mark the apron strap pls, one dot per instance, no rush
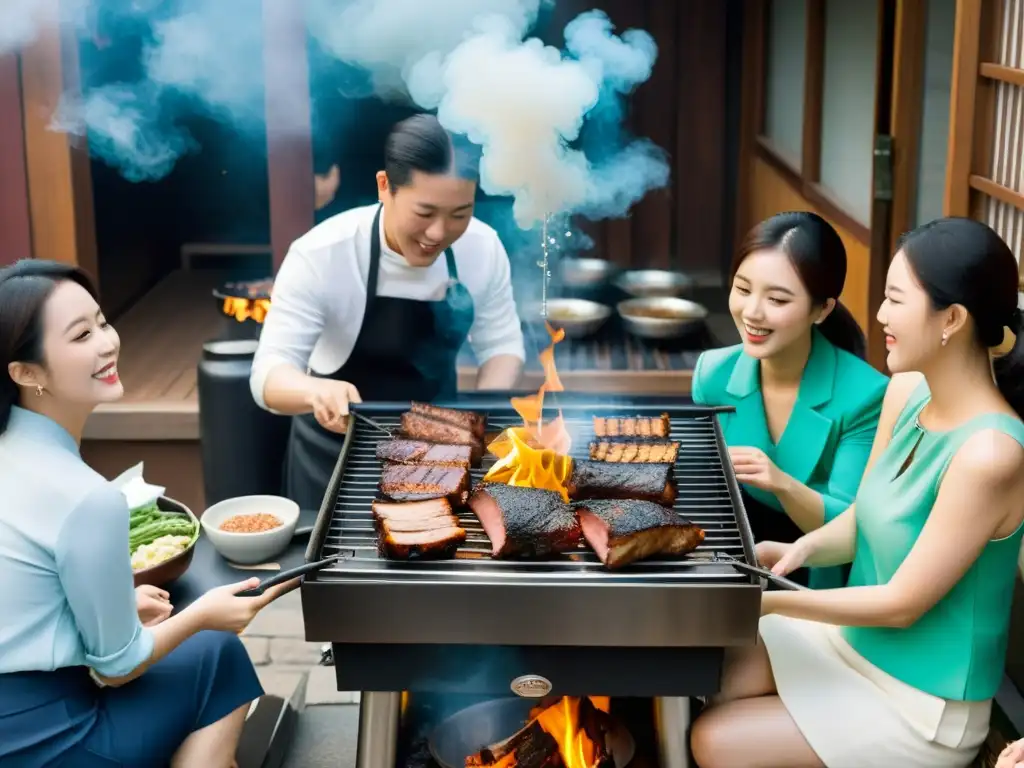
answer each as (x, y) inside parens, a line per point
(453, 270)
(371, 278)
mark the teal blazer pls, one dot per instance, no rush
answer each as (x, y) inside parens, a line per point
(827, 440)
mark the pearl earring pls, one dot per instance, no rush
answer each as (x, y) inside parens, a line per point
(945, 338)
(39, 390)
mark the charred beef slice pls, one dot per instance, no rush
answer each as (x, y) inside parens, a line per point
(411, 510)
(402, 482)
(623, 532)
(525, 522)
(434, 544)
(606, 480)
(418, 426)
(402, 451)
(635, 452)
(632, 426)
(471, 420)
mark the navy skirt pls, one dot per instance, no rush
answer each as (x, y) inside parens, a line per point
(62, 719)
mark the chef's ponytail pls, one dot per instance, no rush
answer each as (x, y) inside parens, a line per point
(421, 143)
(24, 288)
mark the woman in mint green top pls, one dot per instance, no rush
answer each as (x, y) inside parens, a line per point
(807, 405)
(900, 667)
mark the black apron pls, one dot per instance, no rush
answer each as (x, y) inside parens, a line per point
(406, 350)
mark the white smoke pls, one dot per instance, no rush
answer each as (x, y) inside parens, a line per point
(21, 21)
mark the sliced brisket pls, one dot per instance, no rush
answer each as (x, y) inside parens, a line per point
(623, 532)
(402, 451)
(525, 522)
(605, 480)
(403, 482)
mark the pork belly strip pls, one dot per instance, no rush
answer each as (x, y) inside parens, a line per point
(434, 544)
(402, 451)
(404, 482)
(606, 480)
(661, 452)
(418, 426)
(525, 522)
(632, 426)
(623, 532)
(410, 510)
(471, 420)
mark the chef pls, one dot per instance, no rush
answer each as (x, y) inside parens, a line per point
(377, 301)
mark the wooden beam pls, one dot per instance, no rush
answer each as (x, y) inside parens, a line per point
(289, 125)
(15, 219)
(1002, 74)
(963, 93)
(59, 179)
(998, 191)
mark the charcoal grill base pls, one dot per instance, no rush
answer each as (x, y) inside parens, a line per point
(475, 669)
(380, 722)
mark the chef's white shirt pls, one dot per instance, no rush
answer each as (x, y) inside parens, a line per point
(319, 295)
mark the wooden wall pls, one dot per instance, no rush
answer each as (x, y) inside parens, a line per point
(15, 221)
(986, 145)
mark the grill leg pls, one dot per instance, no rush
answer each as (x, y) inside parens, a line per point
(378, 729)
(672, 719)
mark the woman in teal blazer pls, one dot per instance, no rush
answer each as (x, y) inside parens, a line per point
(807, 405)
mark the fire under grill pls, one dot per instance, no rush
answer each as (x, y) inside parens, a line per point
(473, 624)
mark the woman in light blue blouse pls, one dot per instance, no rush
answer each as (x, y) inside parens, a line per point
(92, 672)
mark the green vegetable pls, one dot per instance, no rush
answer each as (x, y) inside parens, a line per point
(149, 523)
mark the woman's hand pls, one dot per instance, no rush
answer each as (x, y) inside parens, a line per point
(783, 559)
(153, 605)
(1012, 756)
(329, 400)
(754, 468)
(221, 609)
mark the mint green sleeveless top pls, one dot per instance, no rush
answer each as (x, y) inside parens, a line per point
(957, 649)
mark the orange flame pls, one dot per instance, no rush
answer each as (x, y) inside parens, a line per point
(536, 454)
(243, 309)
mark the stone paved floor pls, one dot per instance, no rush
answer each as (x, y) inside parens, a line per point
(276, 644)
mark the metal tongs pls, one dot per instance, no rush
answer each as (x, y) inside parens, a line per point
(291, 573)
(754, 570)
(370, 422)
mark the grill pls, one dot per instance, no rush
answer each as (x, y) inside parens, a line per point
(473, 625)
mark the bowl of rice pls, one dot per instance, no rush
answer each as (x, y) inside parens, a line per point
(162, 541)
(251, 529)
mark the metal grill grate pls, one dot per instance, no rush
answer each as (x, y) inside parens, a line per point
(706, 496)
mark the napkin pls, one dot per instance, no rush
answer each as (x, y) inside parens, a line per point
(137, 491)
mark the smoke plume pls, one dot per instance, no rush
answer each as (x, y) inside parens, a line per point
(549, 121)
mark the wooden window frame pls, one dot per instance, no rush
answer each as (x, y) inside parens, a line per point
(807, 179)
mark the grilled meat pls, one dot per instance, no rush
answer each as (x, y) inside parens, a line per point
(623, 532)
(525, 522)
(402, 451)
(402, 482)
(606, 480)
(418, 426)
(634, 452)
(411, 510)
(471, 420)
(433, 544)
(632, 426)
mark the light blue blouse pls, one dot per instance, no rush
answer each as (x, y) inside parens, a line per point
(66, 592)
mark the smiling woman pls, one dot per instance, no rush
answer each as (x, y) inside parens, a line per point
(806, 405)
(84, 658)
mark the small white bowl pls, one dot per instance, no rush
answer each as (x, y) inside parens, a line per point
(251, 548)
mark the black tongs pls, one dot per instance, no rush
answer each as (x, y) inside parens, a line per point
(754, 570)
(291, 573)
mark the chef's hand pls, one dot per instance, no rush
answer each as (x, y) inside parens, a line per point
(329, 400)
(153, 605)
(783, 559)
(1012, 756)
(754, 468)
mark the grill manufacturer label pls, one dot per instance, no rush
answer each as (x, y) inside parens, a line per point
(531, 686)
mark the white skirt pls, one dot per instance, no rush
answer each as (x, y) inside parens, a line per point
(854, 715)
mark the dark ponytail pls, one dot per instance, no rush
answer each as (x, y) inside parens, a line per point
(963, 261)
(421, 143)
(818, 255)
(24, 288)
